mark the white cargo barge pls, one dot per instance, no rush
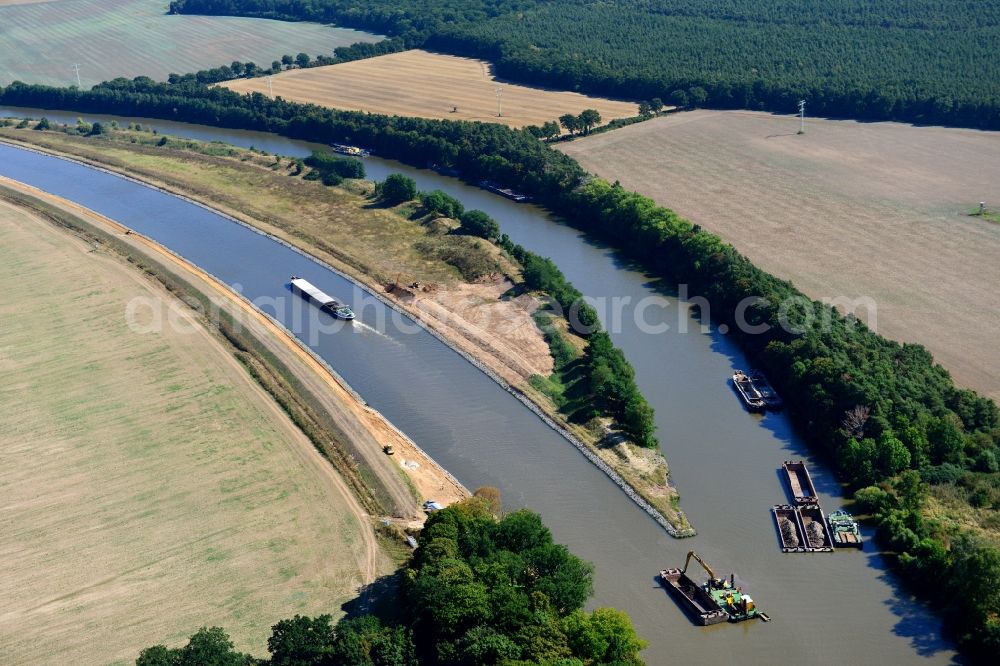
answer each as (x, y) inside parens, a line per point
(307, 290)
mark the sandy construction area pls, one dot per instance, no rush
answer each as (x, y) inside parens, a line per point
(150, 486)
(429, 85)
(847, 209)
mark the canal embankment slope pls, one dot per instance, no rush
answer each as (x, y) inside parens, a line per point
(150, 454)
(376, 248)
(347, 431)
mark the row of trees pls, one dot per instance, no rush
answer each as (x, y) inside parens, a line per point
(886, 59)
(479, 590)
(248, 70)
(826, 365)
(610, 377)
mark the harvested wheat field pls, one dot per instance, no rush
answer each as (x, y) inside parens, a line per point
(149, 486)
(847, 209)
(429, 85)
(109, 38)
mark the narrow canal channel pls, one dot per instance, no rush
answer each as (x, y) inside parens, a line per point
(839, 607)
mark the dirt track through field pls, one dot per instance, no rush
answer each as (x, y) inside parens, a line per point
(429, 85)
(150, 486)
(849, 209)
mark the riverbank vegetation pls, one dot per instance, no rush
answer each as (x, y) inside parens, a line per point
(921, 61)
(843, 383)
(480, 589)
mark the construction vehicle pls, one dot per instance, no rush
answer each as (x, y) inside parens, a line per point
(716, 600)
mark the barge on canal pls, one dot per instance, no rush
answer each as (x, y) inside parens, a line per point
(308, 291)
(748, 393)
(504, 191)
(844, 530)
(801, 529)
(353, 151)
(813, 524)
(799, 481)
(715, 601)
(786, 519)
(767, 393)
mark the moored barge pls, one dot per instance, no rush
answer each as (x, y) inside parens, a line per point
(767, 393)
(717, 600)
(694, 600)
(748, 394)
(813, 524)
(844, 530)
(353, 151)
(786, 519)
(504, 191)
(310, 292)
(799, 481)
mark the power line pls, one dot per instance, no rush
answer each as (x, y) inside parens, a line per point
(802, 116)
(76, 66)
(499, 92)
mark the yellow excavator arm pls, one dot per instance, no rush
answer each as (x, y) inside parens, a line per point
(697, 557)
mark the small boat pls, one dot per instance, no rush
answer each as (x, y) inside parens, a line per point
(799, 481)
(767, 393)
(844, 530)
(786, 519)
(504, 191)
(306, 290)
(745, 389)
(444, 170)
(353, 151)
(815, 529)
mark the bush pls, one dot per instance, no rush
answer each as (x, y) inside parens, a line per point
(345, 167)
(330, 178)
(396, 189)
(43, 124)
(442, 203)
(478, 223)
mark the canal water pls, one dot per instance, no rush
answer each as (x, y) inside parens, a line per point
(826, 608)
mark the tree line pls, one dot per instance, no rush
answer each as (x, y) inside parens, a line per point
(851, 392)
(912, 60)
(248, 70)
(479, 590)
(610, 377)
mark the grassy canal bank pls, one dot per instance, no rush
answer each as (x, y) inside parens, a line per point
(468, 292)
(199, 485)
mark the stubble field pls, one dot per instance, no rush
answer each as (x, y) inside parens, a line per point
(108, 38)
(429, 85)
(851, 209)
(149, 485)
